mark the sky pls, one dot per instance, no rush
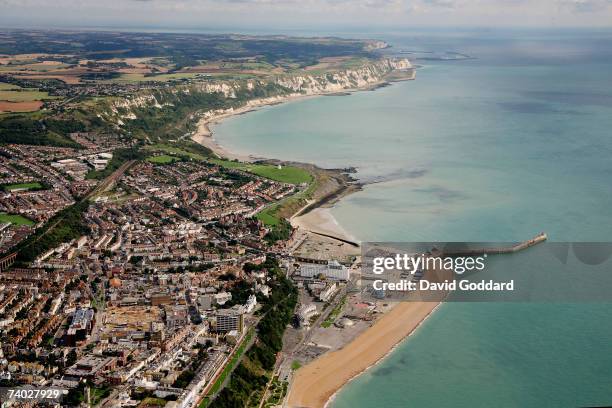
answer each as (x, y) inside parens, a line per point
(304, 14)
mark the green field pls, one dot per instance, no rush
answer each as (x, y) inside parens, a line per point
(32, 66)
(25, 95)
(286, 174)
(175, 151)
(152, 78)
(162, 159)
(23, 186)
(8, 87)
(15, 219)
(269, 215)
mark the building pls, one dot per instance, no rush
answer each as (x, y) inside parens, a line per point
(222, 298)
(328, 292)
(177, 317)
(332, 270)
(205, 302)
(161, 299)
(250, 303)
(230, 319)
(305, 313)
(91, 367)
(82, 323)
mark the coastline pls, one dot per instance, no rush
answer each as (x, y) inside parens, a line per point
(204, 135)
(316, 384)
(322, 222)
(331, 399)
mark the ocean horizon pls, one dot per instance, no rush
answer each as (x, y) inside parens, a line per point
(467, 152)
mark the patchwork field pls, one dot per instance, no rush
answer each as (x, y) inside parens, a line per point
(23, 95)
(8, 87)
(141, 77)
(20, 106)
(16, 99)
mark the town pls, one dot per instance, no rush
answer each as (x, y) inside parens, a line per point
(139, 267)
(164, 284)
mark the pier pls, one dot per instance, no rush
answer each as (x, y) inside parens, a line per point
(541, 237)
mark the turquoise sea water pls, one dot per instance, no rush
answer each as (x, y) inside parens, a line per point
(496, 148)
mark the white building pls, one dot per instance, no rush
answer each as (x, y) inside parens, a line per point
(250, 304)
(328, 292)
(222, 298)
(333, 270)
(305, 313)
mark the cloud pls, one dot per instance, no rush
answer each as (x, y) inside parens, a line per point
(278, 14)
(586, 6)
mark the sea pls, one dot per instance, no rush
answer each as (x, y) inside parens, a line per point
(503, 134)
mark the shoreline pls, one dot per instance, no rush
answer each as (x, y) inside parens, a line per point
(205, 136)
(316, 384)
(331, 399)
(314, 225)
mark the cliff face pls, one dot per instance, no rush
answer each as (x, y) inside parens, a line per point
(254, 91)
(359, 77)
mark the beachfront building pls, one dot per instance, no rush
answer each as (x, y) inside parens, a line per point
(332, 270)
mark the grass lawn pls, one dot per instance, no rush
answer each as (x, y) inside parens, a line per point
(286, 174)
(269, 215)
(15, 219)
(162, 159)
(175, 151)
(23, 186)
(295, 365)
(153, 402)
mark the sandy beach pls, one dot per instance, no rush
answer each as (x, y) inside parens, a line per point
(204, 136)
(321, 221)
(315, 383)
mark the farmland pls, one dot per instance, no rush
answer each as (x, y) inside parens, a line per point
(13, 98)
